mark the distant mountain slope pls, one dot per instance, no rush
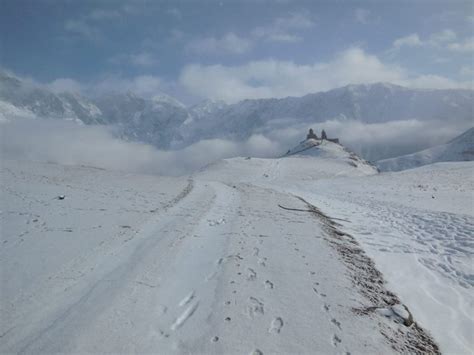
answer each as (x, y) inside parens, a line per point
(41, 102)
(372, 103)
(460, 148)
(155, 121)
(166, 123)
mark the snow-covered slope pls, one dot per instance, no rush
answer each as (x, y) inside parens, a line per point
(154, 121)
(418, 226)
(166, 123)
(460, 148)
(43, 103)
(310, 160)
(210, 265)
(366, 103)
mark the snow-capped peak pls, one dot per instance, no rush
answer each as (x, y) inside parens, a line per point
(166, 99)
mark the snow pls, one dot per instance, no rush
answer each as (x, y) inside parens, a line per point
(460, 148)
(167, 100)
(417, 225)
(138, 264)
(167, 124)
(9, 112)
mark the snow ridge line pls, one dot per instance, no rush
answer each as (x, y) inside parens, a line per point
(369, 281)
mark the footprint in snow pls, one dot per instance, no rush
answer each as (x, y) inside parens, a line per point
(276, 325)
(336, 323)
(255, 307)
(268, 284)
(336, 340)
(252, 275)
(318, 293)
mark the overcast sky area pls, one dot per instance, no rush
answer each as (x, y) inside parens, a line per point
(232, 50)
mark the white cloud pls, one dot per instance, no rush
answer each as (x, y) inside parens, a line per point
(364, 16)
(143, 85)
(83, 29)
(446, 39)
(432, 81)
(296, 20)
(103, 14)
(140, 59)
(65, 85)
(444, 36)
(64, 142)
(412, 40)
(466, 46)
(229, 43)
(283, 29)
(175, 12)
(272, 78)
(467, 71)
(143, 59)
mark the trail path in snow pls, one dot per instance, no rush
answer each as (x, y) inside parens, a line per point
(219, 268)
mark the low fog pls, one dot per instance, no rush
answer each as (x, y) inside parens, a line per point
(69, 143)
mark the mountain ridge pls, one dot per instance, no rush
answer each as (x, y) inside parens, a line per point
(166, 123)
(460, 148)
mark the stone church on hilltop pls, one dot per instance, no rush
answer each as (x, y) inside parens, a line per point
(312, 135)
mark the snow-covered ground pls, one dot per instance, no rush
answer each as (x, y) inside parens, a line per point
(418, 225)
(231, 261)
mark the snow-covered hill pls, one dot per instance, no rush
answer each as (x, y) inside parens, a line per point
(310, 160)
(460, 148)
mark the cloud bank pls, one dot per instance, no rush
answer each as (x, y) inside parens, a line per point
(274, 78)
(67, 143)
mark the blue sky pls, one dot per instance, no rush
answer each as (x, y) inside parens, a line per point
(233, 50)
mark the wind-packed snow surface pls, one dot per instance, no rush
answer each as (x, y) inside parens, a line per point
(239, 258)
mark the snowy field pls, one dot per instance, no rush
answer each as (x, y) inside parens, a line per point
(232, 261)
(418, 226)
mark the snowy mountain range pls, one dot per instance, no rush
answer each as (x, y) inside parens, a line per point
(166, 123)
(460, 148)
